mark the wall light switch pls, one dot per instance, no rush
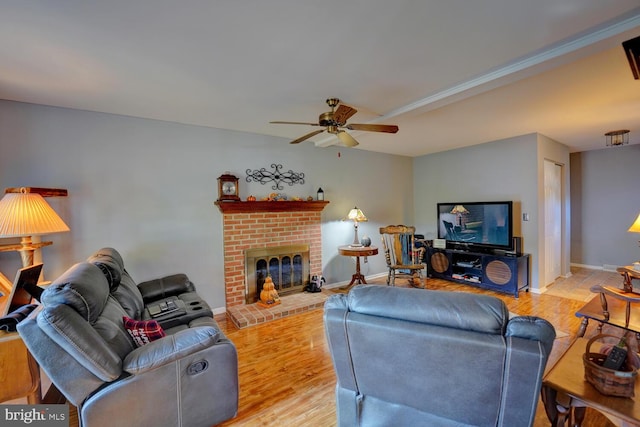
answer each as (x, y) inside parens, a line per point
(525, 217)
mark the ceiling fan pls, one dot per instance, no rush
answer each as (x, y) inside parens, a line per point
(336, 120)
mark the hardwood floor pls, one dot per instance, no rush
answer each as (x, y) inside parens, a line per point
(287, 377)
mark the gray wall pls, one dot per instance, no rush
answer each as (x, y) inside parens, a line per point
(605, 201)
(500, 170)
(147, 188)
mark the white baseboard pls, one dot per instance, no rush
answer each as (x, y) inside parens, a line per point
(605, 267)
(346, 282)
(219, 310)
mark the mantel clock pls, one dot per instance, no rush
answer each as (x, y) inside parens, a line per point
(228, 188)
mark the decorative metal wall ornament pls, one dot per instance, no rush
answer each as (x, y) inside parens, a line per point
(277, 176)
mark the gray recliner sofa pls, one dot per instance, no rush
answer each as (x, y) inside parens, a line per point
(188, 378)
(412, 357)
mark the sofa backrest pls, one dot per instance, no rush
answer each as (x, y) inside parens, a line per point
(124, 288)
(77, 333)
(420, 357)
(87, 318)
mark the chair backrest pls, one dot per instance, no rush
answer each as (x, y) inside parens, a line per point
(463, 360)
(398, 245)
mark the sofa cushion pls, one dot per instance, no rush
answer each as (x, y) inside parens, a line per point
(82, 287)
(143, 331)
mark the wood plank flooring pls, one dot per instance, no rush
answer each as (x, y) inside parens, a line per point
(287, 378)
(286, 374)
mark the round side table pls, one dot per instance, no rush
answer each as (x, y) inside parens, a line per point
(357, 251)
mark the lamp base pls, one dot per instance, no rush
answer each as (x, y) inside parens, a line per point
(356, 245)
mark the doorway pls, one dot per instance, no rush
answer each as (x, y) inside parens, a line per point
(552, 221)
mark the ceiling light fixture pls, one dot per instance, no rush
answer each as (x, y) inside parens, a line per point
(617, 137)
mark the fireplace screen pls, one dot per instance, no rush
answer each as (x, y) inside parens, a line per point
(288, 267)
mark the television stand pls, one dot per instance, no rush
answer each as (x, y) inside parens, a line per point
(501, 273)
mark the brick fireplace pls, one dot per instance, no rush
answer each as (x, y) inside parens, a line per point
(266, 224)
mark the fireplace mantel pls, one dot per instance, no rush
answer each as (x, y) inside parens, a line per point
(271, 206)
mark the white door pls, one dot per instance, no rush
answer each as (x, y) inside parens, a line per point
(552, 221)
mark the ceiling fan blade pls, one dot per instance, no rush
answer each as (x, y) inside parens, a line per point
(307, 136)
(373, 127)
(295, 123)
(343, 113)
(347, 139)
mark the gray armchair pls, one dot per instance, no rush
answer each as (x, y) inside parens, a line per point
(411, 357)
(187, 378)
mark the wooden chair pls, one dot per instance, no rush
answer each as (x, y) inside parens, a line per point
(401, 255)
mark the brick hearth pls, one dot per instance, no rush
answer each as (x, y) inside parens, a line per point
(252, 314)
(250, 225)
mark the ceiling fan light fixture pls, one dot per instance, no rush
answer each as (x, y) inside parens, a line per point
(617, 138)
(335, 120)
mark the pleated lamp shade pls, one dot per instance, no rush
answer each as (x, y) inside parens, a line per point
(28, 214)
(635, 227)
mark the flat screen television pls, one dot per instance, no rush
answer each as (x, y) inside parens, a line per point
(476, 226)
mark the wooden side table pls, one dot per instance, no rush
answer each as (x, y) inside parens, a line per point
(357, 251)
(19, 372)
(564, 388)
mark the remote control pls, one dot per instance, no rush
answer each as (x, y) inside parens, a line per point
(154, 310)
(615, 359)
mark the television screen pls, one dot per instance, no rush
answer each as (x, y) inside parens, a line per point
(476, 225)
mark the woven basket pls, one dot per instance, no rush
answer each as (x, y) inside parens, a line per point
(608, 381)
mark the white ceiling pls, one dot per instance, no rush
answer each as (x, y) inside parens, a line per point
(450, 73)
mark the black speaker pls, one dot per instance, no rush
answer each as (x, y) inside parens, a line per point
(632, 49)
(516, 247)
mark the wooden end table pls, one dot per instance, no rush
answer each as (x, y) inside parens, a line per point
(564, 388)
(19, 372)
(357, 251)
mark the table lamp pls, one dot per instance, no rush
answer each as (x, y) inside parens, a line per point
(635, 228)
(459, 210)
(356, 216)
(24, 214)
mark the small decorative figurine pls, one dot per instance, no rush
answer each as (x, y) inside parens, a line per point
(268, 296)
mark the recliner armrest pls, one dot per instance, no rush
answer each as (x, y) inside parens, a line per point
(532, 328)
(164, 287)
(169, 349)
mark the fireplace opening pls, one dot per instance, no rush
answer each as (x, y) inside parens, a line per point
(288, 267)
